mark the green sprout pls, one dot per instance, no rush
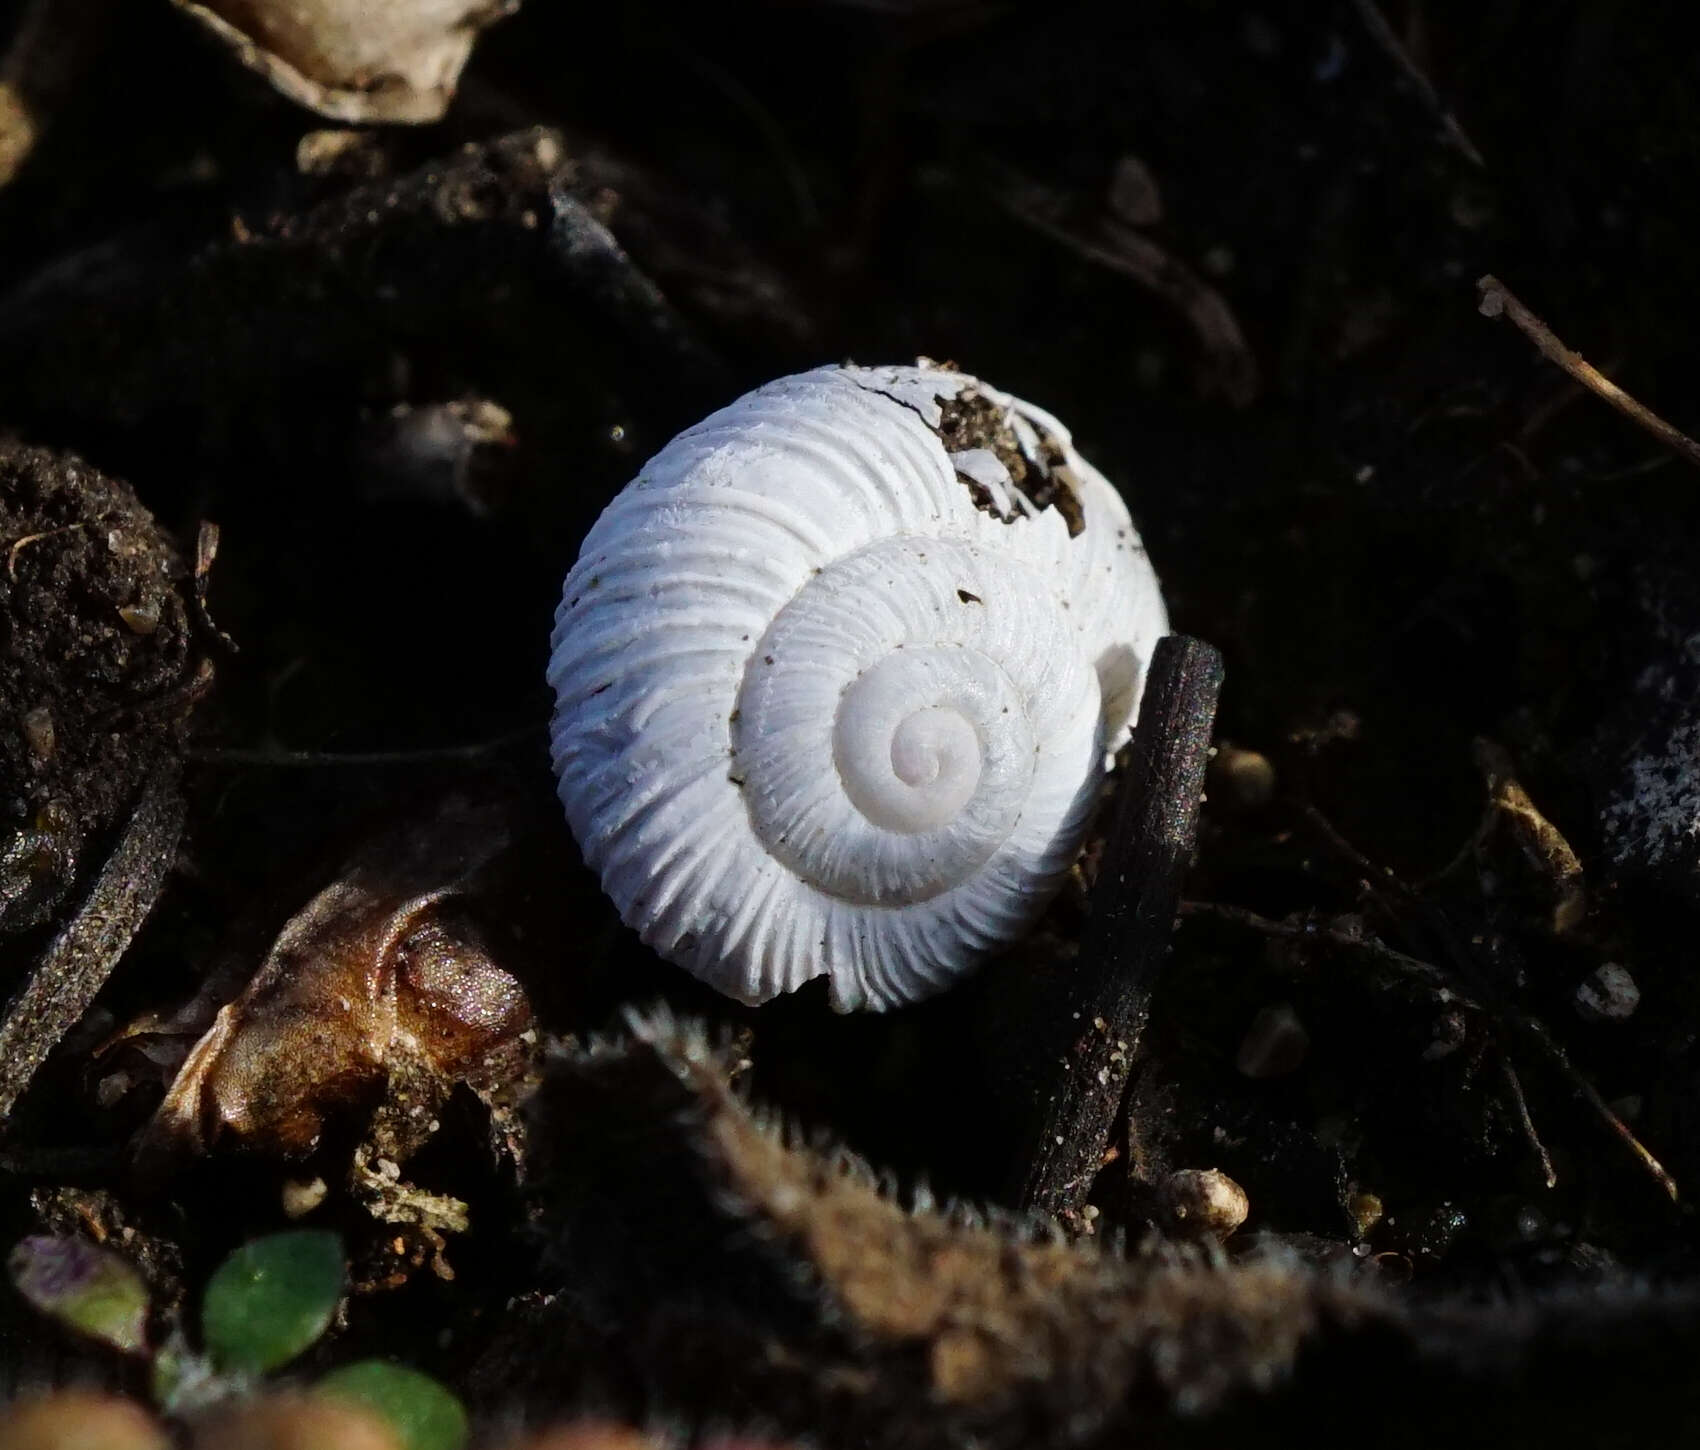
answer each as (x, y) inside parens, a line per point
(265, 1306)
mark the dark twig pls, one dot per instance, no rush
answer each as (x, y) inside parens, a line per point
(1384, 36)
(1379, 879)
(1088, 1039)
(1497, 300)
(79, 960)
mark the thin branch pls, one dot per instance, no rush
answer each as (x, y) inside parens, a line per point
(88, 947)
(1375, 876)
(1402, 964)
(1497, 300)
(1538, 1034)
(1520, 1105)
(1384, 35)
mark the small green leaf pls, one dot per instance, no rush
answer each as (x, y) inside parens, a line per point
(271, 1299)
(85, 1288)
(424, 1415)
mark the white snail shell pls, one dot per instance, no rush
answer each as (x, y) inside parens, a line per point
(833, 699)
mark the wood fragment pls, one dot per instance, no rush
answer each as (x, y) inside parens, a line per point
(1497, 300)
(206, 551)
(1542, 844)
(1089, 1035)
(79, 960)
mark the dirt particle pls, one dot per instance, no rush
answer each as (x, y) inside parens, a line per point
(972, 421)
(38, 732)
(107, 705)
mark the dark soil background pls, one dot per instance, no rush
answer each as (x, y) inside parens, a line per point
(1402, 527)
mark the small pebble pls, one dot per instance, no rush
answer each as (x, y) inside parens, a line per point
(1608, 995)
(141, 617)
(1134, 196)
(1366, 1210)
(1530, 1223)
(1275, 1043)
(1244, 777)
(339, 153)
(1218, 261)
(38, 732)
(1450, 1031)
(1204, 1201)
(301, 1197)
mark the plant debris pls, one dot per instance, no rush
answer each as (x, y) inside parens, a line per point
(382, 994)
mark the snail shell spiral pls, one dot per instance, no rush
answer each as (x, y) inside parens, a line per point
(834, 694)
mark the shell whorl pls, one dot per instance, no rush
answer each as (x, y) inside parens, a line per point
(834, 700)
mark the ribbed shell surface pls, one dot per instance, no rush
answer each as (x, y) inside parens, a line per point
(832, 700)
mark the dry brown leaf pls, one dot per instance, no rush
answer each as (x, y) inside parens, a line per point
(356, 61)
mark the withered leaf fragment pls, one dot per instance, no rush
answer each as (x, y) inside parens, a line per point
(382, 980)
(355, 60)
(1548, 857)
